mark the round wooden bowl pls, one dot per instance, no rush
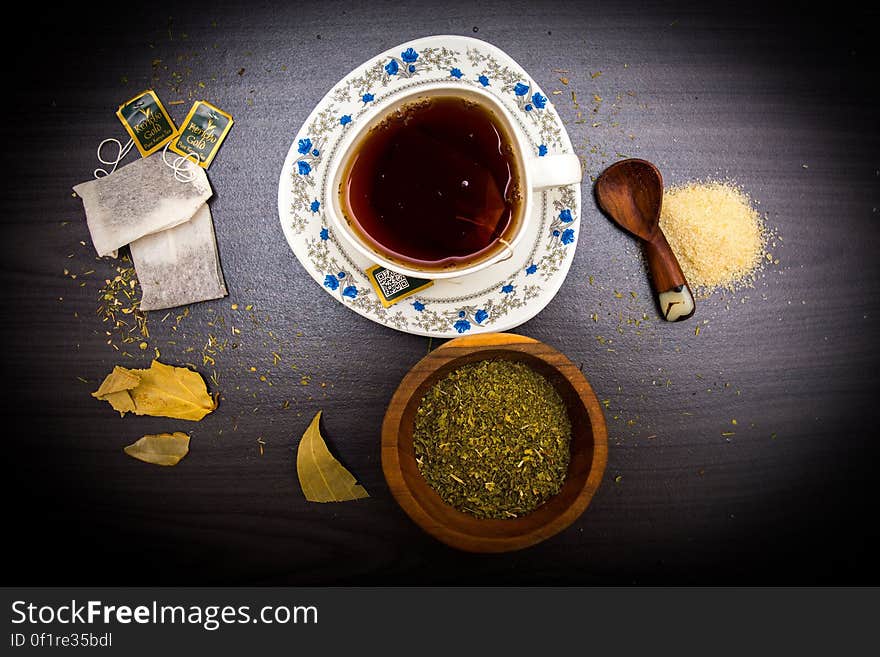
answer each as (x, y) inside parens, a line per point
(589, 446)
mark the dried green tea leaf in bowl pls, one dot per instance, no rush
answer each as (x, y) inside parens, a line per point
(493, 438)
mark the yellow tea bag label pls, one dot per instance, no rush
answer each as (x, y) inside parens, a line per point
(203, 131)
(147, 122)
(392, 286)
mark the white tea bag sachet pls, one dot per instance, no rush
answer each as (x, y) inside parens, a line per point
(141, 198)
(180, 265)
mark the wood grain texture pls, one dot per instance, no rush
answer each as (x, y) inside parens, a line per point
(665, 271)
(784, 104)
(589, 446)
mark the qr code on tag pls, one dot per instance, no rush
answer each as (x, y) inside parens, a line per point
(391, 282)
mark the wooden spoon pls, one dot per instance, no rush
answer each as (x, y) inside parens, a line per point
(631, 193)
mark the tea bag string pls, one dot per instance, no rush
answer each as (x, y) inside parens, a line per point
(182, 171)
(508, 248)
(121, 152)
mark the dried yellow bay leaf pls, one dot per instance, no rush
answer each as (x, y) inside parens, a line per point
(162, 390)
(115, 389)
(322, 477)
(171, 392)
(119, 380)
(120, 401)
(160, 448)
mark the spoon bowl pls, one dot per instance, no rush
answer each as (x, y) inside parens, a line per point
(631, 192)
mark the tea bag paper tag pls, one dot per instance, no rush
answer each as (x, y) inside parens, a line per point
(392, 286)
(204, 129)
(147, 122)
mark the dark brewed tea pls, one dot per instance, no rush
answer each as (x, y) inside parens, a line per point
(434, 185)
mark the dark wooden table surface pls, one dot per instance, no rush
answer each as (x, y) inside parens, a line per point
(786, 105)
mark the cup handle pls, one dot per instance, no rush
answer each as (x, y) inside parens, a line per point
(555, 170)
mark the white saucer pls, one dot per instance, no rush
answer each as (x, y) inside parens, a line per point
(496, 299)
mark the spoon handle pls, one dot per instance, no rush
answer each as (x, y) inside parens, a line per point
(673, 293)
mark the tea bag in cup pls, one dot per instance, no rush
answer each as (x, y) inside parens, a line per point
(180, 265)
(141, 198)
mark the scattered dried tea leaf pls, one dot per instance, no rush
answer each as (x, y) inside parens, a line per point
(322, 477)
(163, 390)
(160, 448)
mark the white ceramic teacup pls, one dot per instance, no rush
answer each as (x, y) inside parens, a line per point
(536, 173)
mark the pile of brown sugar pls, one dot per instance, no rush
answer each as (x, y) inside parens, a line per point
(715, 232)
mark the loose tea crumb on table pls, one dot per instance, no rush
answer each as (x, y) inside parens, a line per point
(493, 439)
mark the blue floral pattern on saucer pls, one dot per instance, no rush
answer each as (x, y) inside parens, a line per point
(405, 66)
(496, 299)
